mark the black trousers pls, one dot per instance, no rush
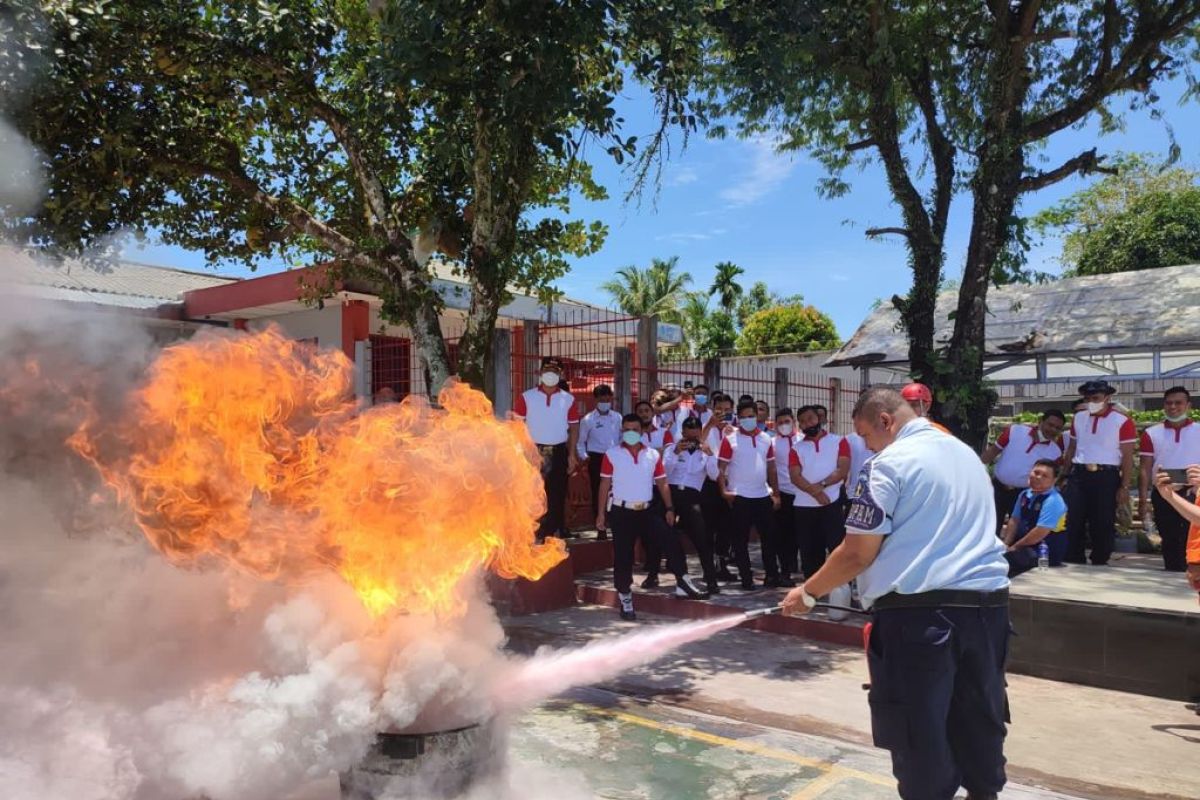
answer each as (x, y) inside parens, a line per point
(938, 701)
(819, 529)
(595, 461)
(785, 532)
(717, 519)
(747, 513)
(1173, 529)
(1005, 499)
(689, 513)
(627, 526)
(554, 479)
(1091, 514)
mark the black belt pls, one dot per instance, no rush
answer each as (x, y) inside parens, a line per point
(953, 598)
(681, 488)
(1093, 468)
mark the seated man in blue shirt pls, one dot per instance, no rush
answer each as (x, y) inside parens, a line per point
(1040, 514)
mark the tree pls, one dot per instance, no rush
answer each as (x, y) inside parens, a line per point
(1145, 216)
(759, 298)
(787, 329)
(693, 314)
(368, 135)
(657, 290)
(947, 97)
(717, 335)
(726, 287)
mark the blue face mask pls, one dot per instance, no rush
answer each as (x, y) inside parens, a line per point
(748, 423)
(701, 399)
(631, 437)
(603, 407)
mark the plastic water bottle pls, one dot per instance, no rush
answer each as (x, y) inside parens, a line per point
(1043, 556)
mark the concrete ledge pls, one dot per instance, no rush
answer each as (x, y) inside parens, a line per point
(555, 590)
(668, 606)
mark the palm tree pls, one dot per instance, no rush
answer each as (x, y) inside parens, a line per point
(692, 315)
(658, 289)
(726, 287)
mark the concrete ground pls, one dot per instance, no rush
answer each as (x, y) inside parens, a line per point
(1131, 579)
(767, 716)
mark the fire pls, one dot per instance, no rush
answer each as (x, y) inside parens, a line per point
(249, 451)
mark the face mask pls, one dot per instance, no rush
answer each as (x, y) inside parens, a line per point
(762, 426)
(812, 430)
(785, 429)
(1179, 418)
(631, 437)
(550, 379)
(748, 423)
(1095, 408)
(603, 407)
(701, 399)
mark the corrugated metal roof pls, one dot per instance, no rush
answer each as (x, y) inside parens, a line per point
(1124, 311)
(123, 283)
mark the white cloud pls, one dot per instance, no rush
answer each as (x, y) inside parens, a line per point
(683, 176)
(839, 277)
(767, 169)
(683, 237)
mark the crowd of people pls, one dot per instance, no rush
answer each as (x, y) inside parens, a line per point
(715, 468)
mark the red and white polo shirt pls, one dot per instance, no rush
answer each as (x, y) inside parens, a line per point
(1098, 437)
(1021, 446)
(748, 456)
(547, 415)
(818, 459)
(783, 457)
(1171, 445)
(633, 471)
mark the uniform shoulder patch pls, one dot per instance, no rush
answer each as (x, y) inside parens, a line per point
(865, 514)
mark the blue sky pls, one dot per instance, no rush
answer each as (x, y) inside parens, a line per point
(738, 200)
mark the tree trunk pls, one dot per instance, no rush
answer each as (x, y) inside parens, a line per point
(431, 346)
(475, 345)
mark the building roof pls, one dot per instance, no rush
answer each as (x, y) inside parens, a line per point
(122, 284)
(1125, 311)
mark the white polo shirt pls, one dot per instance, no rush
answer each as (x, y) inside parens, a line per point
(548, 416)
(859, 453)
(817, 458)
(1098, 437)
(686, 469)
(1172, 446)
(1021, 446)
(599, 433)
(633, 471)
(691, 411)
(748, 456)
(783, 457)
(658, 438)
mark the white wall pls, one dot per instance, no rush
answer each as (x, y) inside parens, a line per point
(325, 324)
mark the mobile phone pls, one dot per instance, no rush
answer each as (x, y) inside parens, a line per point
(687, 384)
(1178, 476)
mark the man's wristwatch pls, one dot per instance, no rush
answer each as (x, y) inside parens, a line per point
(809, 601)
(670, 509)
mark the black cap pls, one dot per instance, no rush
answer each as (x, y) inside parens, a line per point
(691, 422)
(1092, 387)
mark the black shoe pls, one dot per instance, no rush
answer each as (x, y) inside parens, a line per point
(651, 582)
(770, 582)
(750, 586)
(724, 574)
(686, 587)
(601, 536)
(974, 796)
(713, 586)
(625, 606)
(786, 583)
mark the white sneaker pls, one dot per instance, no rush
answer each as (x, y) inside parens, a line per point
(626, 603)
(840, 596)
(686, 587)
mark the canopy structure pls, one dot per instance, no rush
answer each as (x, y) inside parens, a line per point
(1140, 330)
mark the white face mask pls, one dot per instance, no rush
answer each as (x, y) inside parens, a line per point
(785, 429)
(1179, 418)
(748, 423)
(550, 379)
(1096, 408)
(603, 407)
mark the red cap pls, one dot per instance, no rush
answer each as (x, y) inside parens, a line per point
(917, 391)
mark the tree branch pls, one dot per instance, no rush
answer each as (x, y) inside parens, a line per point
(1084, 163)
(940, 147)
(862, 145)
(874, 232)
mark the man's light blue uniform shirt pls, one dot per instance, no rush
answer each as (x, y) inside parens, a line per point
(932, 498)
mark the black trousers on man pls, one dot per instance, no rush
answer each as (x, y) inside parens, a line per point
(1173, 529)
(595, 461)
(689, 512)
(819, 529)
(759, 513)
(1006, 498)
(718, 520)
(938, 701)
(785, 532)
(554, 479)
(627, 526)
(1091, 513)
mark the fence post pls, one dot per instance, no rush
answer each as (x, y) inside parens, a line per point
(623, 379)
(531, 352)
(363, 390)
(498, 381)
(647, 355)
(835, 401)
(782, 379)
(712, 373)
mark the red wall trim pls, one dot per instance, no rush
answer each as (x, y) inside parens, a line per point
(356, 324)
(280, 287)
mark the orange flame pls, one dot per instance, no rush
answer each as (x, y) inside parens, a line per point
(249, 450)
